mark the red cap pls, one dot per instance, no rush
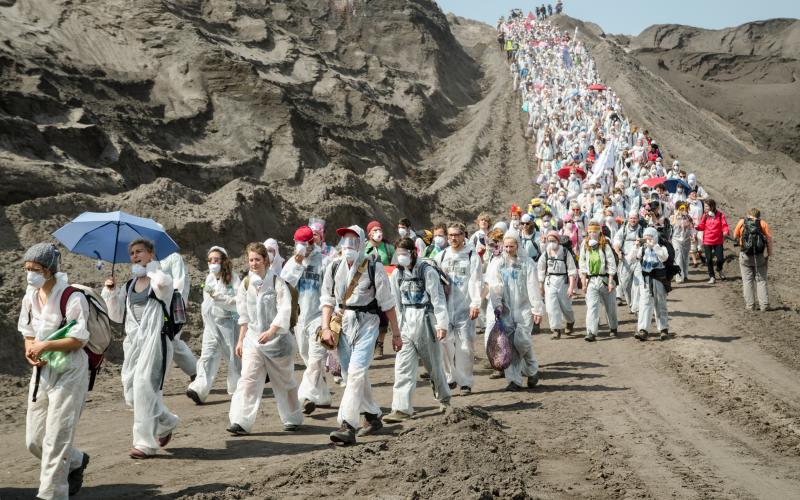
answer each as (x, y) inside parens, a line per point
(373, 225)
(304, 234)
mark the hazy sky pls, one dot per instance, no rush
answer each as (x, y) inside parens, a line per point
(630, 17)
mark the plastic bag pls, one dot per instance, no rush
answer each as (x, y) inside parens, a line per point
(332, 364)
(56, 360)
(498, 347)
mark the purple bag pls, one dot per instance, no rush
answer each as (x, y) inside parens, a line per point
(332, 364)
(498, 347)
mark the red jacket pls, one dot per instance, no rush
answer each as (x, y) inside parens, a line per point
(714, 229)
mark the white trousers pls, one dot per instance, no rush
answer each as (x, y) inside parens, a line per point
(183, 356)
(247, 398)
(652, 303)
(356, 347)
(597, 297)
(219, 340)
(459, 352)
(419, 344)
(313, 386)
(50, 427)
(557, 303)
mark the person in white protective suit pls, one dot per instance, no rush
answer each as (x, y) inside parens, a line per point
(219, 327)
(652, 293)
(556, 273)
(463, 267)
(275, 257)
(148, 351)
(56, 395)
(422, 307)
(264, 304)
(370, 292)
(598, 269)
(629, 272)
(683, 231)
(174, 266)
(304, 272)
(514, 294)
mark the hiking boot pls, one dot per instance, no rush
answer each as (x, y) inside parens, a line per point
(664, 334)
(466, 390)
(452, 385)
(497, 374)
(750, 308)
(556, 335)
(512, 387)
(308, 407)
(75, 478)
(138, 454)
(589, 338)
(612, 333)
(291, 427)
(711, 281)
(444, 406)
(722, 276)
(396, 417)
(570, 328)
(765, 309)
(641, 335)
(533, 381)
(163, 441)
(193, 396)
(378, 354)
(344, 435)
(372, 425)
(237, 430)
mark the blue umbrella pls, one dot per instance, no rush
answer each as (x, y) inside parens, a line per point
(106, 236)
(673, 183)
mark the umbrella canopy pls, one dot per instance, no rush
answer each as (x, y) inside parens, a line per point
(654, 181)
(597, 86)
(106, 236)
(571, 93)
(672, 185)
(565, 171)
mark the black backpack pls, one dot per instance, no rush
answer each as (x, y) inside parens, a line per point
(754, 241)
(174, 312)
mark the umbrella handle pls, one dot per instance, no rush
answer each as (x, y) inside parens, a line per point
(116, 242)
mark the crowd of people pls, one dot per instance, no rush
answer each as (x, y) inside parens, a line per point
(607, 219)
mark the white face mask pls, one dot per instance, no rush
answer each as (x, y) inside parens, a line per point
(515, 224)
(377, 236)
(36, 280)
(214, 268)
(552, 246)
(350, 254)
(711, 213)
(403, 260)
(402, 232)
(138, 270)
(439, 241)
(617, 196)
(593, 242)
(255, 279)
(300, 249)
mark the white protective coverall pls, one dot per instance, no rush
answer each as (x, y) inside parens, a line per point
(262, 304)
(514, 286)
(220, 333)
(652, 294)
(147, 357)
(53, 417)
(597, 294)
(306, 277)
(554, 273)
(464, 269)
(422, 308)
(174, 265)
(359, 329)
(630, 274)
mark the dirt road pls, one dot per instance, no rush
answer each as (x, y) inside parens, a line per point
(709, 413)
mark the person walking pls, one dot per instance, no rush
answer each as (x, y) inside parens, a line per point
(755, 239)
(715, 228)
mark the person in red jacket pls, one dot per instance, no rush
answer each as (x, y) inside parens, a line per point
(715, 228)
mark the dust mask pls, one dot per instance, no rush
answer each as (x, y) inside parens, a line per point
(36, 280)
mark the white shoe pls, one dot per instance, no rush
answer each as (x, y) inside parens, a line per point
(711, 281)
